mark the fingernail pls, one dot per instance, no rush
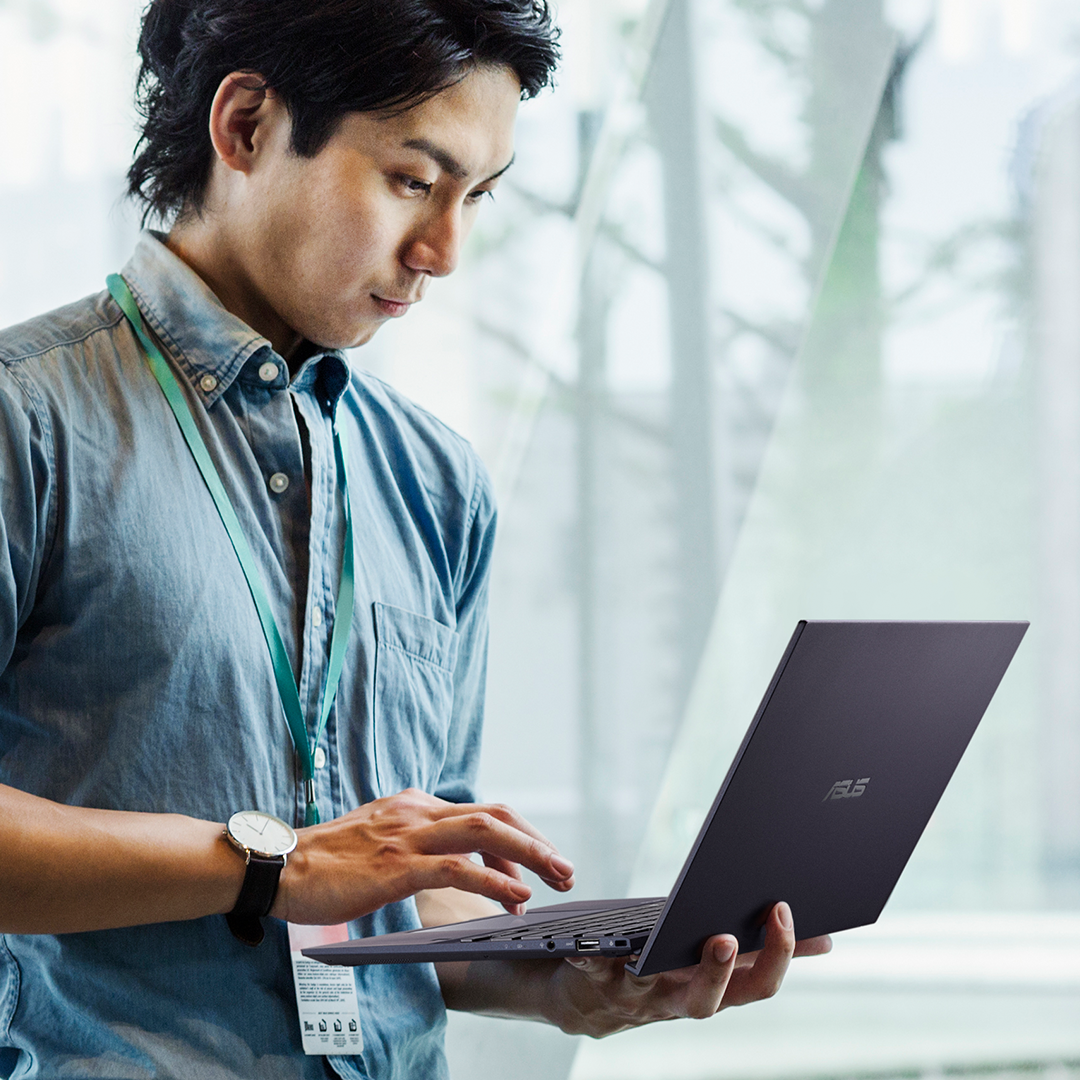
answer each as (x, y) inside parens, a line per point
(784, 914)
(577, 963)
(724, 951)
(560, 865)
(521, 889)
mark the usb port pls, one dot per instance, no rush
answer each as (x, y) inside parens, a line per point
(588, 945)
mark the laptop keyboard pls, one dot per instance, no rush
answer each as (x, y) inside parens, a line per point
(616, 922)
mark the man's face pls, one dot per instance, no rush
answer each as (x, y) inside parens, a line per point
(337, 244)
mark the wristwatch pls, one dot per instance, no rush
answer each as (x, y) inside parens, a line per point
(264, 841)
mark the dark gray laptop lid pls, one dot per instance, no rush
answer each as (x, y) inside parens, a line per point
(849, 753)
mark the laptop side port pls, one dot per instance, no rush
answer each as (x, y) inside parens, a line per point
(588, 945)
(549, 944)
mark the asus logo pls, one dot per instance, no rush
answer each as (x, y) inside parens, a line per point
(842, 789)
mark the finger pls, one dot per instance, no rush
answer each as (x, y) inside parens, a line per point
(504, 866)
(511, 870)
(482, 832)
(460, 872)
(562, 879)
(814, 946)
(762, 978)
(603, 970)
(706, 989)
(506, 814)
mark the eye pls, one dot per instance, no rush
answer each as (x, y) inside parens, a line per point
(476, 197)
(414, 186)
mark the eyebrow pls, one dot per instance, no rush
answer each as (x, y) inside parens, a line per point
(447, 162)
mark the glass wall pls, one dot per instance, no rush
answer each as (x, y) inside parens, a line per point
(66, 135)
(920, 465)
(775, 317)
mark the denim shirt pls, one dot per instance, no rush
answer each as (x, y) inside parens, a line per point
(134, 674)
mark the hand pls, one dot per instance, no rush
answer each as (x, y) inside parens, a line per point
(396, 846)
(599, 997)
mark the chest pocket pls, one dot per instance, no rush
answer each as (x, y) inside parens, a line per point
(414, 695)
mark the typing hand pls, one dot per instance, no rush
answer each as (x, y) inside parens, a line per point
(397, 846)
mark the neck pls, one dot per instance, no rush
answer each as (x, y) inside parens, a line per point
(202, 247)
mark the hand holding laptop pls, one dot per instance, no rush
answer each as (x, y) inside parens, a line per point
(723, 978)
(596, 996)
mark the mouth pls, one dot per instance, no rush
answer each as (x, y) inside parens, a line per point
(394, 308)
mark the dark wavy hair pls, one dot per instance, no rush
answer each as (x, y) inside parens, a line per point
(325, 58)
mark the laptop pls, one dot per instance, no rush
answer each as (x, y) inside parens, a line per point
(855, 740)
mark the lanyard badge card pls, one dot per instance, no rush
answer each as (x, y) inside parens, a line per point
(326, 996)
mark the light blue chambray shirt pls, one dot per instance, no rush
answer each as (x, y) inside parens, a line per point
(134, 674)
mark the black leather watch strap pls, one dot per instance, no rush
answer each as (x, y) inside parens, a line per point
(256, 897)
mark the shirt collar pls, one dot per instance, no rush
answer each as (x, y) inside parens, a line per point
(210, 344)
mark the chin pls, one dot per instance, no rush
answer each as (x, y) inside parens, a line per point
(350, 338)
(362, 336)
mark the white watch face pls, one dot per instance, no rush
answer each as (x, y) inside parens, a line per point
(261, 833)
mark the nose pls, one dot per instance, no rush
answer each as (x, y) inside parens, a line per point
(436, 244)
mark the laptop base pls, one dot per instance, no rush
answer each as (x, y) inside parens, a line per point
(511, 937)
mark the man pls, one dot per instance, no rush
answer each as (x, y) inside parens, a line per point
(319, 164)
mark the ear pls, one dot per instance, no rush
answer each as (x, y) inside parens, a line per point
(244, 113)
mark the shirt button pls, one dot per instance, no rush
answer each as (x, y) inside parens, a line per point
(268, 372)
(278, 483)
(318, 759)
(208, 384)
(316, 618)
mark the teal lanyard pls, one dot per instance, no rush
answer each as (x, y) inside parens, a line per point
(283, 673)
